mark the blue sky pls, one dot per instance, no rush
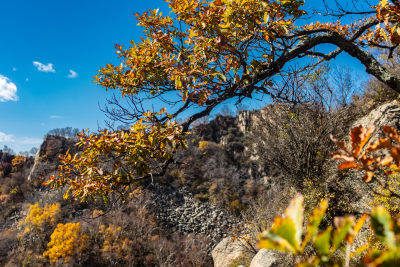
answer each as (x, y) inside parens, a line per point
(49, 53)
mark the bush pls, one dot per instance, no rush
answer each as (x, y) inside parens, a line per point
(67, 240)
(294, 140)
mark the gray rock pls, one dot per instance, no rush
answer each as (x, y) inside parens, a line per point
(266, 258)
(229, 251)
(385, 115)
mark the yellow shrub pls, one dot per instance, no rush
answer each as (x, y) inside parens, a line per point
(383, 197)
(114, 242)
(97, 213)
(18, 162)
(209, 147)
(38, 218)
(66, 241)
(204, 145)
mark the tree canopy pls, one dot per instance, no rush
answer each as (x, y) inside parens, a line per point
(204, 53)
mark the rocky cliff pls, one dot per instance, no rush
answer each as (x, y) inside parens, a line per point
(47, 157)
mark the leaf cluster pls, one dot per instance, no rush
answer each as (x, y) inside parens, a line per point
(286, 235)
(113, 161)
(363, 154)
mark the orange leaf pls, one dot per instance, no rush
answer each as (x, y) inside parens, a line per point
(368, 177)
(392, 133)
(342, 156)
(396, 155)
(359, 137)
(385, 161)
(339, 143)
(348, 165)
(381, 143)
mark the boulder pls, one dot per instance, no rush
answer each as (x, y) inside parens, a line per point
(230, 252)
(270, 258)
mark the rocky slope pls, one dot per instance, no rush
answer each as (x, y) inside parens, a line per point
(217, 177)
(350, 193)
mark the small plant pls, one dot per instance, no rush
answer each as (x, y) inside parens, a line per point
(387, 231)
(380, 157)
(286, 234)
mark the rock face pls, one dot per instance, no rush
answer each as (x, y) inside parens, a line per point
(47, 157)
(357, 193)
(385, 115)
(229, 252)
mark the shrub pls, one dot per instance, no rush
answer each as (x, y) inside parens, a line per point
(18, 163)
(383, 195)
(8, 241)
(38, 219)
(116, 248)
(294, 140)
(66, 240)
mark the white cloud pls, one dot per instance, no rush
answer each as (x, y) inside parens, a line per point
(14, 69)
(8, 90)
(29, 141)
(19, 143)
(6, 137)
(72, 74)
(43, 67)
(55, 117)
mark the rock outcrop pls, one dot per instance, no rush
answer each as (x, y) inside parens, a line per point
(385, 115)
(47, 157)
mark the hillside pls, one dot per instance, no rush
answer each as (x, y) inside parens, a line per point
(226, 178)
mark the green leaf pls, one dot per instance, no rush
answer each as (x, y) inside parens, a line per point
(382, 225)
(269, 240)
(295, 212)
(314, 222)
(322, 242)
(343, 227)
(287, 230)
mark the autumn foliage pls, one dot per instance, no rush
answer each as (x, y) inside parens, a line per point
(363, 154)
(39, 218)
(66, 240)
(202, 54)
(286, 235)
(112, 161)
